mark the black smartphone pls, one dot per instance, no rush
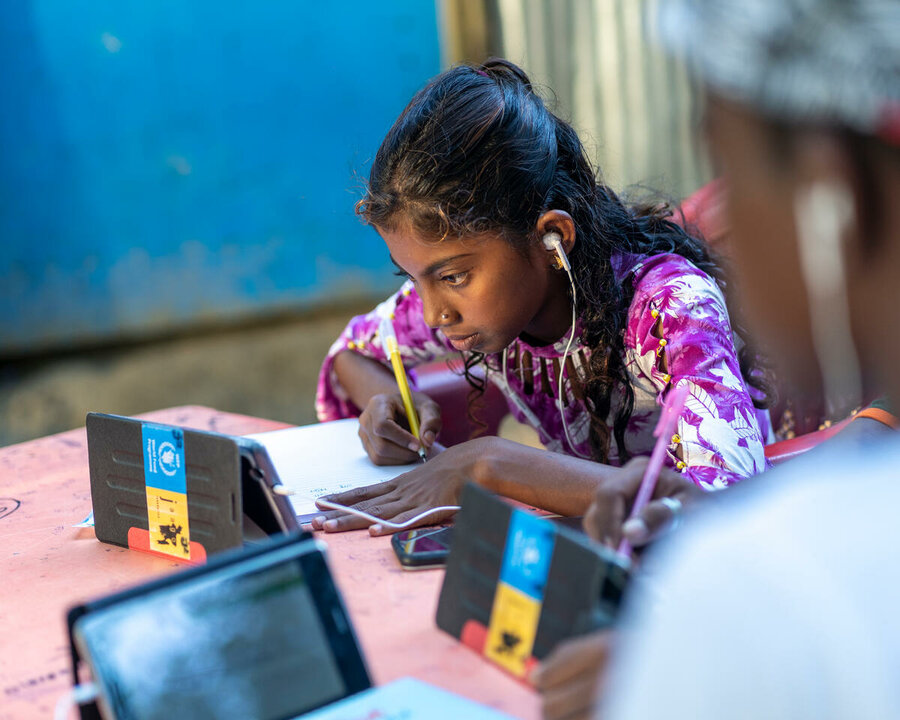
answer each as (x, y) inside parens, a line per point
(423, 548)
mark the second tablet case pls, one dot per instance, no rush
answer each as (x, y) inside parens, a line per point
(517, 584)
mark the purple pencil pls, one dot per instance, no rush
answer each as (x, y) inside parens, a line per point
(668, 419)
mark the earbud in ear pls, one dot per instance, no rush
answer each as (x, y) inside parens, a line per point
(552, 241)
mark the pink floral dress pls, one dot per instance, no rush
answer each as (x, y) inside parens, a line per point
(677, 332)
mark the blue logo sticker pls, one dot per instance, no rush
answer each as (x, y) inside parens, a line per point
(527, 555)
(164, 458)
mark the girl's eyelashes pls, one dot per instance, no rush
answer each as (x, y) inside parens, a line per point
(451, 279)
(455, 279)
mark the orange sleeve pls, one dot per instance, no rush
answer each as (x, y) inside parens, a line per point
(882, 416)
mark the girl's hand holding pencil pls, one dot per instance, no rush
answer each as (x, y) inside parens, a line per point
(396, 424)
(385, 432)
(607, 520)
(606, 517)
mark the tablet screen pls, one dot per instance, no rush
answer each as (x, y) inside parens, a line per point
(250, 645)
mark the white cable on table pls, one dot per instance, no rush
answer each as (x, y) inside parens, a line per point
(78, 695)
(282, 490)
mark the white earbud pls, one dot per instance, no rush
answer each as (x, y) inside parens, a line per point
(552, 241)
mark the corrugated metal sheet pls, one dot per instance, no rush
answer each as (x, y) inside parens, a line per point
(633, 106)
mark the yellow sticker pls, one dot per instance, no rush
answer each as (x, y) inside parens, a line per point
(512, 629)
(165, 480)
(167, 513)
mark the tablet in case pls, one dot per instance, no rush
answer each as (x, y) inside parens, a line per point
(517, 584)
(183, 494)
(256, 632)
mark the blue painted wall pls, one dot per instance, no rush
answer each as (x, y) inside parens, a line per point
(169, 163)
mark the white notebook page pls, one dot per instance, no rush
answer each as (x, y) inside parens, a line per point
(316, 460)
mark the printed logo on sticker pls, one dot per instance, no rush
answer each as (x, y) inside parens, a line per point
(166, 487)
(164, 458)
(169, 461)
(513, 626)
(527, 555)
(519, 597)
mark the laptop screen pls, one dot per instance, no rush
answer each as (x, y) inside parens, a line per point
(246, 645)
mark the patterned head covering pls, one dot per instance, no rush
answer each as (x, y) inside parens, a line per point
(831, 61)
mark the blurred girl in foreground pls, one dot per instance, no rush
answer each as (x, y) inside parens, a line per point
(782, 603)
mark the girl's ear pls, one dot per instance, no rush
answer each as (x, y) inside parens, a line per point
(559, 222)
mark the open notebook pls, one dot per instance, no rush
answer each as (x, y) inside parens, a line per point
(317, 460)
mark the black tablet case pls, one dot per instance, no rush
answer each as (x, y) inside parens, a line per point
(584, 583)
(90, 711)
(226, 485)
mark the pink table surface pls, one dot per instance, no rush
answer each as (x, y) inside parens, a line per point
(48, 566)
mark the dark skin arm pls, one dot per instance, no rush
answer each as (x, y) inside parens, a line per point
(558, 483)
(383, 427)
(570, 678)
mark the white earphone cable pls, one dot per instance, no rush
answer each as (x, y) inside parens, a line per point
(562, 370)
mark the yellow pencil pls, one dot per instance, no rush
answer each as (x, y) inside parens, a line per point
(392, 349)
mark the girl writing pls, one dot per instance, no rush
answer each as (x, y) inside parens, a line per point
(584, 311)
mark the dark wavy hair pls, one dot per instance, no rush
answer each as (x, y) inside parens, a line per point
(477, 150)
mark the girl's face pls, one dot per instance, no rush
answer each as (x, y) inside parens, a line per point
(480, 292)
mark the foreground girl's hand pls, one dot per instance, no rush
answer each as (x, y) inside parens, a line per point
(433, 484)
(384, 430)
(607, 518)
(570, 677)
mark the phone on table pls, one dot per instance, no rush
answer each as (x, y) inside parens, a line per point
(423, 548)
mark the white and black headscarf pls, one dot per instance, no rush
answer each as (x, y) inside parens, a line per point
(822, 61)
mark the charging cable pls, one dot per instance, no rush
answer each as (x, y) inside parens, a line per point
(282, 490)
(388, 523)
(78, 695)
